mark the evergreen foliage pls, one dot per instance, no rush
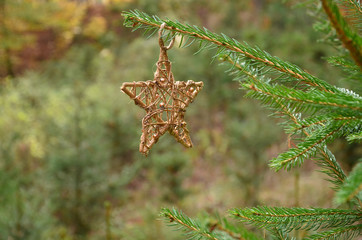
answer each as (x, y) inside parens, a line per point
(215, 229)
(192, 227)
(352, 187)
(315, 113)
(290, 219)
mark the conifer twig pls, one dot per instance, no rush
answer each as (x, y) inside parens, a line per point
(297, 218)
(304, 124)
(346, 232)
(192, 227)
(236, 232)
(344, 33)
(137, 19)
(230, 233)
(286, 159)
(356, 5)
(291, 96)
(352, 187)
(335, 168)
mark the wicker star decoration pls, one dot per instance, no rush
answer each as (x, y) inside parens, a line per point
(164, 100)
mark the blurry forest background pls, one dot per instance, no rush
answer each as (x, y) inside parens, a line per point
(69, 161)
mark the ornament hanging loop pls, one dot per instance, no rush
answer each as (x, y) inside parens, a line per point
(163, 75)
(160, 40)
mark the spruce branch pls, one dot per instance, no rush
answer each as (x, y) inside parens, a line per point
(308, 148)
(302, 100)
(139, 20)
(344, 63)
(227, 231)
(355, 137)
(327, 160)
(236, 232)
(352, 187)
(350, 40)
(296, 218)
(220, 229)
(279, 234)
(356, 5)
(193, 229)
(351, 70)
(320, 120)
(352, 12)
(346, 232)
(329, 165)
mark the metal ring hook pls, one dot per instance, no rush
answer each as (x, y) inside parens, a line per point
(160, 41)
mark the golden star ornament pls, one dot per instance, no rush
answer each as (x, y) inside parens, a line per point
(164, 100)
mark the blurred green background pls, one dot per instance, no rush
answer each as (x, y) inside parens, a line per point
(69, 161)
